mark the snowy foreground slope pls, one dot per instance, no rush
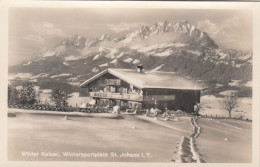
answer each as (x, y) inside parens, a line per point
(225, 141)
(132, 138)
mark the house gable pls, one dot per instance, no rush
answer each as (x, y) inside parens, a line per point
(112, 73)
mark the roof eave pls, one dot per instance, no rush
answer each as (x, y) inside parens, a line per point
(172, 88)
(93, 78)
(110, 71)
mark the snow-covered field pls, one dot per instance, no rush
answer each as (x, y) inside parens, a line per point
(61, 75)
(133, 138)
(226, 141)
(249, 84)
(128, 60)
(90, 133)
(19, 75)
(76, 100)
(103, 65)
(211, 105)
(26, 76)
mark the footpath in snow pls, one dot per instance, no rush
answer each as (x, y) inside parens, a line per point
(188, 152)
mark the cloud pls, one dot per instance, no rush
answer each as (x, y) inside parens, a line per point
(42, 31)
(48, 25)
(222, 28)
(123, 26)
(232, 22)
(47, 29)
(209, 27)
(228, 33)
(35, 38)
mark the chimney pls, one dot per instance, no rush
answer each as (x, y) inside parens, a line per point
(140, 68)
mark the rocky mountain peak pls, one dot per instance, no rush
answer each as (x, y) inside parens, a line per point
(182, 27)
(106, 37)
(75, 40)
(143, 31)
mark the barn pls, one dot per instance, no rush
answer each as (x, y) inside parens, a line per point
(130, 88)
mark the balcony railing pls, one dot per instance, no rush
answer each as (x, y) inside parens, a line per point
(113, 81)
(134, 97)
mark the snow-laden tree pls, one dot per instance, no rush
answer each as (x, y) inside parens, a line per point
(27, 94)
(24, 94)
(12, 95)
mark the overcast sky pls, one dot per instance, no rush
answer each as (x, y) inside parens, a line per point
(32, 29)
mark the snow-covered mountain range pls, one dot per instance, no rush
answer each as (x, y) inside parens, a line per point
(167, 46)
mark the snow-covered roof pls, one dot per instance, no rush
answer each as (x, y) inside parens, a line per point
(150, 79)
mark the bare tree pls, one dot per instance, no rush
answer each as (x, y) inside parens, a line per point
(230, 102)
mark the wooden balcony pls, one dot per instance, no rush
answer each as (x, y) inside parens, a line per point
(109, 95)
(113, 82)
